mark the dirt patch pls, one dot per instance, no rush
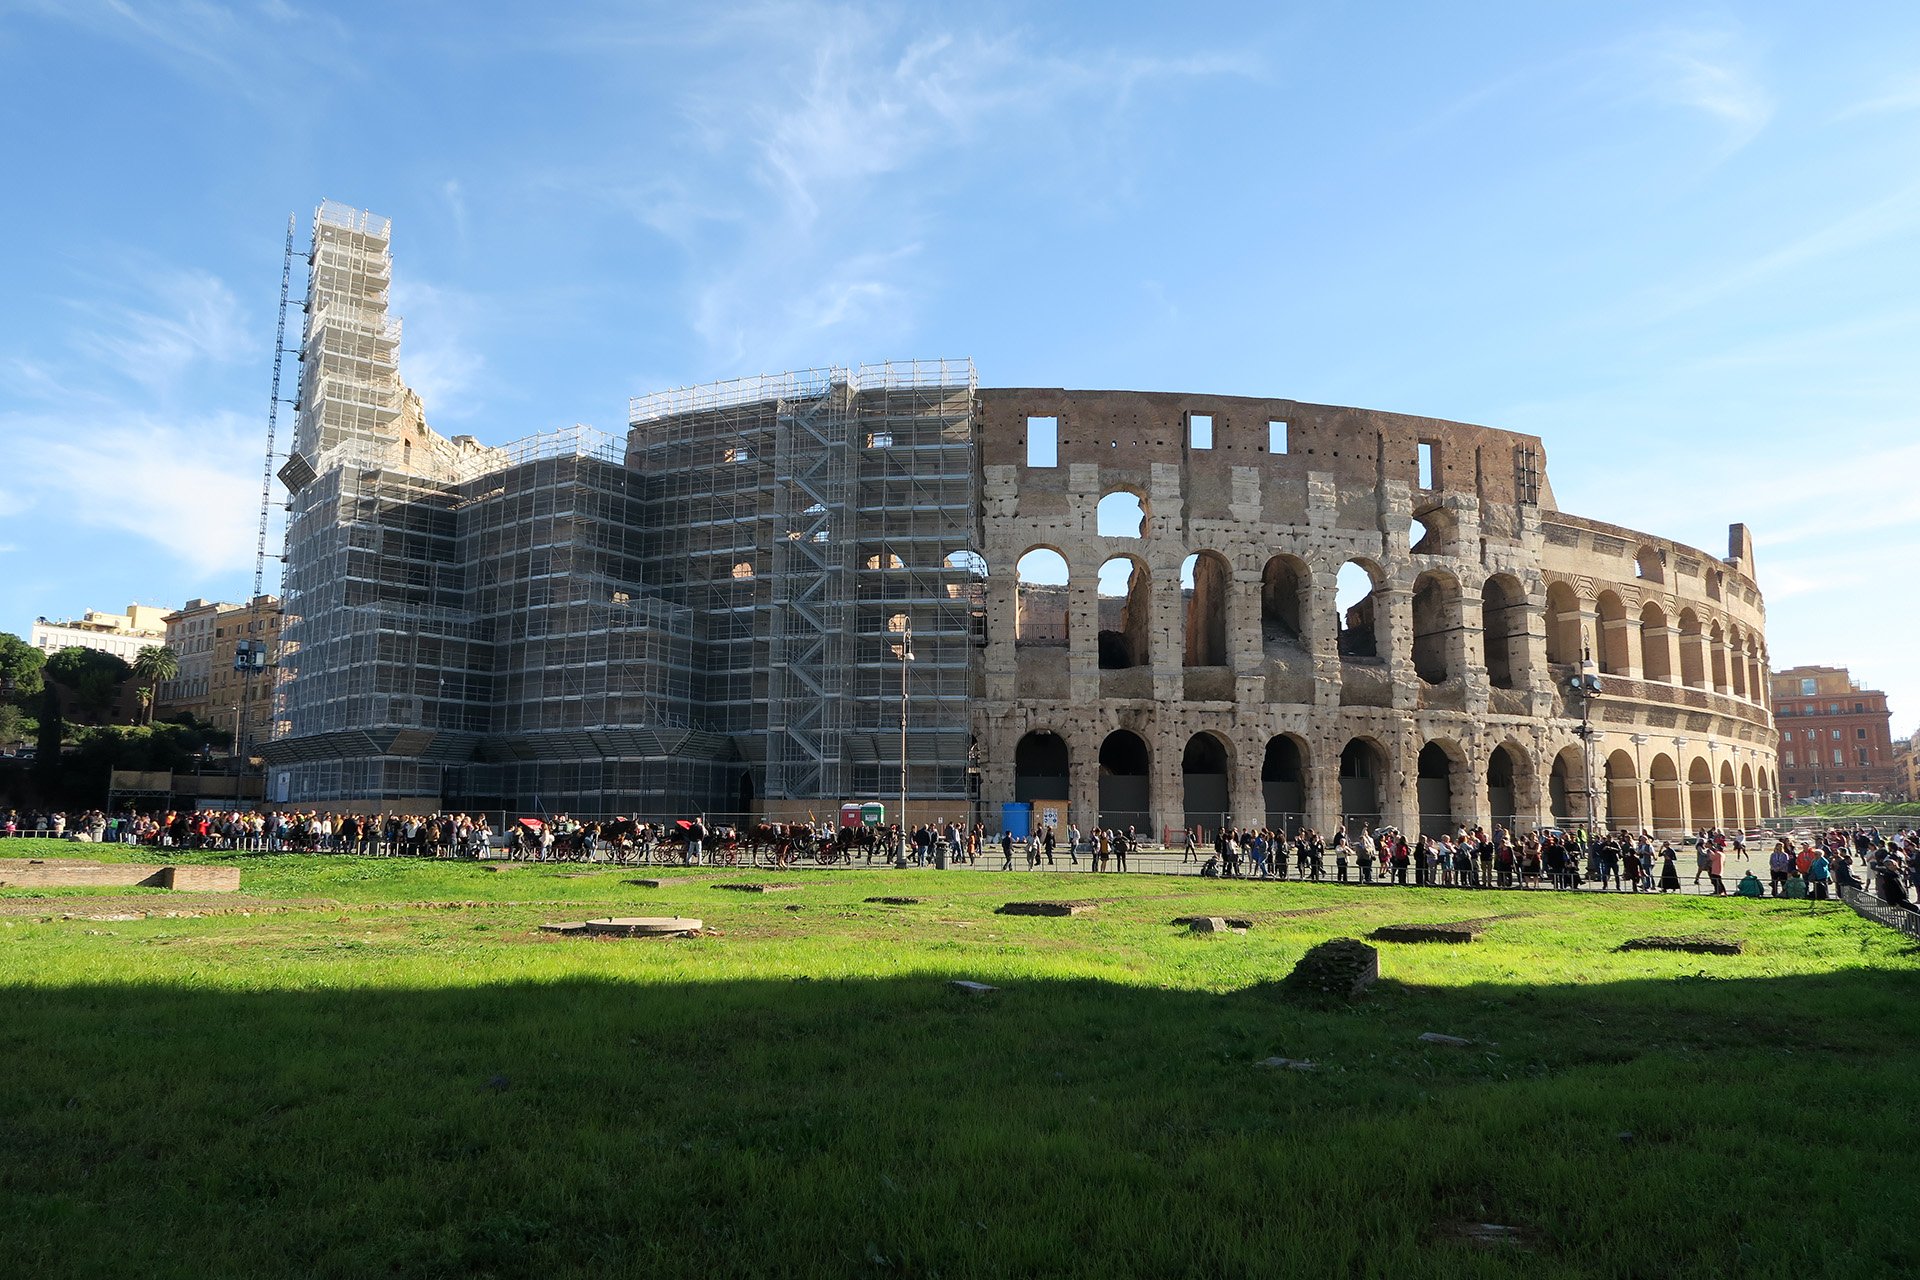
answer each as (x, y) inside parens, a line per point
(1693, 944)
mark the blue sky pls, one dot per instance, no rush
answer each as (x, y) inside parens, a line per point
(1680, 242)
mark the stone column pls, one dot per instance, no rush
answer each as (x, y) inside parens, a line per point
(1623, 638)
(1247, 798)
(1169, 801)
(1002, 627)
(1246, 650)
(1320, 634)
(1083, 780)
(1393, 640)
(1083, 633)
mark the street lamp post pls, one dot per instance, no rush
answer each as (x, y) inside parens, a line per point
(1586, 686)
(906, 656)
(1640, 740)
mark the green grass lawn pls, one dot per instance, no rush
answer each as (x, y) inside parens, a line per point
(383, 1068)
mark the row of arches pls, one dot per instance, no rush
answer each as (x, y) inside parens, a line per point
(1450, 789)
(1686, 650)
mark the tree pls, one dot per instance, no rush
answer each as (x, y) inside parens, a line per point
(20, 668)
(154, 665)
(46, 763)
(94, 677)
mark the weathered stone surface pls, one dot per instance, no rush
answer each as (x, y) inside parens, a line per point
(1697, 945)
(1341, 967)
(895, 902)
(75, 873)
(642, 926)
(1045, 908)
(662, 882)
(1425, 933)
(565, 926)
(758, 888)
(1200, 924)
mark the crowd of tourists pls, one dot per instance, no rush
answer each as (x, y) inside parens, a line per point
(1797, 865)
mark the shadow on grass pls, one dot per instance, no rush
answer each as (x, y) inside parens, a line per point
(900, 1127)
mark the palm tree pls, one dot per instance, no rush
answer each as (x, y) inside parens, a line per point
(154, 664)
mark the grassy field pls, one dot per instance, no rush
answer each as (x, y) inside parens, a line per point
(382, 1068)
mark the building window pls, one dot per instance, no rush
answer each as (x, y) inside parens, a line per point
(743, 570)
(1806, 689)
(880, 440)
(1429, 464)
(1200, 431)
(1276, 437)
(1859, 706)
(1859, 733)
(1043, 442)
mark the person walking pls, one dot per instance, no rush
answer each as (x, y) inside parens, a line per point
(1669, 872)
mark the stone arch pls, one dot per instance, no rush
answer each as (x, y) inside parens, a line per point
(1656, 647)
(1283, 599)
(1040, 597)
(1505, 764)
(1042, 767)
(1693, 660)
(1126, 781)
(1358, 625)
(1503, 622)
(1122, 513)
(1435, 532)
(1749, 801)
(1563, 623)
(1648, 566)
(1125, 602)
(1765, 780)
(1610, 646)
(1205, 765)
(1440, 765)
(1729, 796)
(1567, 787)
(1623, 793)
(1363, 777)
(1700, 795)
(1436, 625)
(1663, 781)
(1736, 663)
(1206, 581)
(1717, 657)
(1283, 782)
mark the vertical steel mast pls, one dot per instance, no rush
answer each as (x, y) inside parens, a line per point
(273, 415)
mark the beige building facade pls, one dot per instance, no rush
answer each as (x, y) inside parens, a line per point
(123, 635)
(1200, 665)
(205, 636)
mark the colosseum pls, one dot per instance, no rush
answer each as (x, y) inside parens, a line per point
(1172, 642)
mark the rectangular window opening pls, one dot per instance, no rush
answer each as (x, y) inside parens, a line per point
(1200, 431)
(1429, 464)
(1276, 437)
(1043, 442)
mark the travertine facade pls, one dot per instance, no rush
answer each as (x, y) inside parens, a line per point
(1246, 697)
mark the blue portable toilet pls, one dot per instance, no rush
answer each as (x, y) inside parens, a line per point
(1016, 819)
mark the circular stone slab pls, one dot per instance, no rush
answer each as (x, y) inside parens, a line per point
(642, 926)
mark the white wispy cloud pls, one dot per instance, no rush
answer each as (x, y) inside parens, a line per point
(1713, 69)
(189, 316)
(435, 358)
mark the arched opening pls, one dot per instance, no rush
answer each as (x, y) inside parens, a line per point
(1503, 620)
(1283, 782)
(1204, 583)
(1203, 769)
(1692, 658)
(1126, 782)
(1282, 589)
(1749, 803)
(1717, 653)
(1563, 624)
(1612, 648)
(1700, 795)
(1656, 644)
(1623, 793)
(1041, 767)
(1353, 599)
(1500, 788)
(747, 794)
(1436, 624)
(1434, 532)
(1647, 565)
(1435, 788)
(1121, 515)
(1040, 598)
(1764, 779)
(1362, 768)
(1125, 597)
(1663, 780)
(1729, 796)
(1736, 664)
(1567, 788)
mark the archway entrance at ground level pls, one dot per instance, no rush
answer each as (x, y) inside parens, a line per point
(1500, 801)
(1041, 767)
(1567, 788)
(1700, 787)
(1362, 766)
(1436, 790)
(1283, 782)
(1623, 793)
(1203, 769)
(1126, 782)
(1663, 779)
